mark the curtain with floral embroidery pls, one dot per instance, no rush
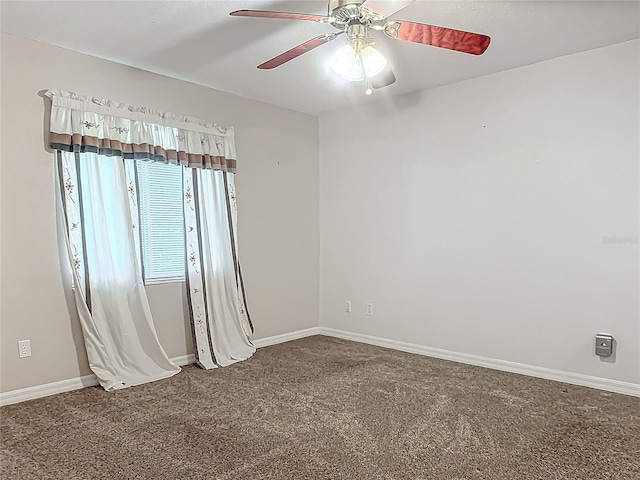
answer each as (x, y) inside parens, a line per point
(97, 135)
(120, 337)
(84, 124)
(221, 323)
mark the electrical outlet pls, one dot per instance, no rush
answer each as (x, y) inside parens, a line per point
(24, 348)
(370, 309)
(347, 306)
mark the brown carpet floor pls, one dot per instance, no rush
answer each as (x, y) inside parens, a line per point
(323, 408)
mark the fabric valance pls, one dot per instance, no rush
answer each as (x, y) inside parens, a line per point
(82, 124)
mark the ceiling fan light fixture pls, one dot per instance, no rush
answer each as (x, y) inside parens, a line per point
(353, 63)
(373, 61)
(346, 62)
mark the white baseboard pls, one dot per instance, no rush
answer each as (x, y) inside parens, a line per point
(47, 389)
(615, 386)
(286, 337)
(183, 360)
(39, 391)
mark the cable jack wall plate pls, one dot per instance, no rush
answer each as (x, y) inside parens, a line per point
(604, 344)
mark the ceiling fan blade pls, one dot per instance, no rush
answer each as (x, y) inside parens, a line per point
(383, 79)
(466, 42)
(297, 51)
(386, 7)
(284, 15)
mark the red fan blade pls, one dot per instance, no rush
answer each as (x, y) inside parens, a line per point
(466, 42)
(285, 15)
(383, 79)
(386, 7)
(297, 51)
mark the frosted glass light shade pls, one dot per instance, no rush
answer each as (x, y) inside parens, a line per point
(373, 61)
(346, 63)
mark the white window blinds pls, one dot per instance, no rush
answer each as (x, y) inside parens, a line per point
(161, 221)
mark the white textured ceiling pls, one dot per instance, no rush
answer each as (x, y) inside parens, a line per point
(198, 41)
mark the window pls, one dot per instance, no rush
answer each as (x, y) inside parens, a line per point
(161, 221)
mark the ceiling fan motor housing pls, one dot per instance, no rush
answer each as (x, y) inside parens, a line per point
(337, 5)
(344, 12)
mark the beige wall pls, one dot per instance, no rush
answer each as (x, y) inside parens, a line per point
(472, 216)
(277, 186)
(475, 216)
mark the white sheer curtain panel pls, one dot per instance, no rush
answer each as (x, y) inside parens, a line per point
(221, 323)
(121, 341)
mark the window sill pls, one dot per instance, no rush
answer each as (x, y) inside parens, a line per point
(160, 281)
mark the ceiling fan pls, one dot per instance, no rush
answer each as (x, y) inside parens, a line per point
(358, 60)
